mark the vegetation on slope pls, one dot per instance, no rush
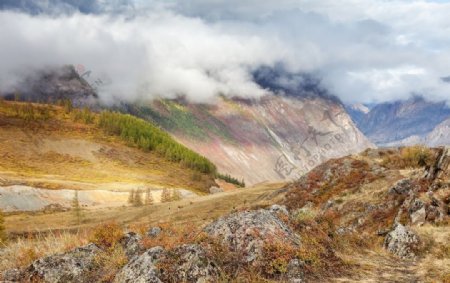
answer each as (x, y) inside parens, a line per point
(148, 137)
(229, 179)
(196, 122)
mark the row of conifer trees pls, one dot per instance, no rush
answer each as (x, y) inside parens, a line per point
(148, 137)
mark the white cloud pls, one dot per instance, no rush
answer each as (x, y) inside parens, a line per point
(365, 50)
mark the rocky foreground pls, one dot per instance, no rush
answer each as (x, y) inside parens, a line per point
(382, 201)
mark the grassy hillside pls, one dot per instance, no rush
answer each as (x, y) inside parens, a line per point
(61, 147)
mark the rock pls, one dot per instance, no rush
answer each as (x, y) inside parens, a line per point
(279, 209)
(418, 217)
(434, 214)
(131, 243)
(402, 242)
(215, 190)
(294, 272)
(12, 275)
(141, 269)
(417, 212)
(73, 266)
(154, 232)
(248, 231)
(402, 187)
(190, 264)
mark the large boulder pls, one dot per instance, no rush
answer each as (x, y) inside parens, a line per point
(131, 243)
(73, 266)
(249, 231)
(141, 269)
(186, 263)
(402, 242)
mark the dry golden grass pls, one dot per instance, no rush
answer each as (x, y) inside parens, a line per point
(195, 211)
(22, 251)
(53, 233)
(59, 153)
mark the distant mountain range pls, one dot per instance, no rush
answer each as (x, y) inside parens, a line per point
(412, 121)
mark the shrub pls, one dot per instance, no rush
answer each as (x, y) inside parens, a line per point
(27, 255)
(276, 257)
(108, 263)
(409, 157)
(107, 235)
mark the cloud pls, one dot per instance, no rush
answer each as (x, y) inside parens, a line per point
(363, 51)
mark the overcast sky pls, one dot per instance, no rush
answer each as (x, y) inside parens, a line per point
(362, 50)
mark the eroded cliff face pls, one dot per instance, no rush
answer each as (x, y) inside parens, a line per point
(272, 138)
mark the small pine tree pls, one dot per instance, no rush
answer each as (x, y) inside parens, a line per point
(149, 197)
(165, 195)
(131, 197)
(176, 195)
(68, 106)
(2, 229)
(76, 208)
(138, 198)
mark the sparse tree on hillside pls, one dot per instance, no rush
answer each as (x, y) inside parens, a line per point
(165, 195)
(131, 197)
(176, 195)
(2, 229)
(149, 197)
(76, 208)
(138, 198)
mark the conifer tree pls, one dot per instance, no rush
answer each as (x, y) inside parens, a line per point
(149, 197)
(76, 208)
(176, 195)
(165, 195)
(138, 198)
(131, 197)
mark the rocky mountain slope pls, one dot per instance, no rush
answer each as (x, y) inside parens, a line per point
(402, 122)
(272, 138)
(381, 216)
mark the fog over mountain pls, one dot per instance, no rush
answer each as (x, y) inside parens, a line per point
(361, 51)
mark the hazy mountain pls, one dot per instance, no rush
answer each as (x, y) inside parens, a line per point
(400, 122)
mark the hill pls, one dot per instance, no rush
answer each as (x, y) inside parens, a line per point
(379, 216)
(59, 148)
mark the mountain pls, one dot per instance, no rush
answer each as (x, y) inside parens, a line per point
(52, 85)
(401, 122)
(440, 135)
(275, 137)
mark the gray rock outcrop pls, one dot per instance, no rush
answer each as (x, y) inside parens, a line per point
(402, 242)
(248, 231)
(73, 266)
(190, 264)
(131, 243)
